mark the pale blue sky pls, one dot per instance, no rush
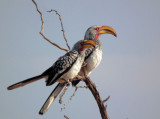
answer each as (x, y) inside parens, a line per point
(129, 71)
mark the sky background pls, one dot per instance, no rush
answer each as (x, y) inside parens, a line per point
(129, 71)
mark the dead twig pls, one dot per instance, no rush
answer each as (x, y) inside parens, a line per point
(42, 28)
(66, 117)
(61, 95)
(64, 106)
(76, 88)
(80, 86)
(64, 36)
(106, 99)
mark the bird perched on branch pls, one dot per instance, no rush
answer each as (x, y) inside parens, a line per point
(63, 70)
(93, 56)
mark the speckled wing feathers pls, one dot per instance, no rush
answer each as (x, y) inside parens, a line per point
(88, 52)
(61, 66)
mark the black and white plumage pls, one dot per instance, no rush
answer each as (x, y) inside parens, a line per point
(93, 56)
(64, 64)
(63, 70)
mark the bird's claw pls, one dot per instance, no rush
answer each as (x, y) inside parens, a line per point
(84, 64)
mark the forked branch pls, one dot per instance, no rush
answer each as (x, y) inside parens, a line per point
(64, 36)
(42, 28)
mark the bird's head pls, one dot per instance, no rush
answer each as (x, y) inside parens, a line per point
(95, 31)
(87, 44)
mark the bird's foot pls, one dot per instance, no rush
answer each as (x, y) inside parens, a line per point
(84, 64)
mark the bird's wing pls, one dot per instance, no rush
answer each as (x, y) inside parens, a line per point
(51, 98)
(88, 52)
(61, 66)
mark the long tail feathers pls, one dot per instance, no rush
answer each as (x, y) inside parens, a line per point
(25, 82)
(51, 98)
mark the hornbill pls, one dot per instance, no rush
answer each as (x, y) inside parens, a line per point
(63, 70)
(93, 56)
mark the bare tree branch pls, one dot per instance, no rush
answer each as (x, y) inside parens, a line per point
(42, 27)
(64, 36)
(96, 95)
(66, 117)
(106, 99)
(64, 91)
(80, 86)
(64, 106)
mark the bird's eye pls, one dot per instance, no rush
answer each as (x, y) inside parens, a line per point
(82, 43)
(97, 29)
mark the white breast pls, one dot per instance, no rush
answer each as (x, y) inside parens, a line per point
(93, 61)
(73, 72)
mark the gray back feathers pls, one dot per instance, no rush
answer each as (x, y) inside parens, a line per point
(61, 66)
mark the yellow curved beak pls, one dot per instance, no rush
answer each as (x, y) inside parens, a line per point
(88, 43)
(107, 30)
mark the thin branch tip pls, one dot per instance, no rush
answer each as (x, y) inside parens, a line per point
(66, 117)
(106, 99)
(64, 36)
(42, 28)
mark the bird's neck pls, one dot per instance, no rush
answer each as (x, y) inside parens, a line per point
(90, 36)
(95, 38)
(97, 42)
